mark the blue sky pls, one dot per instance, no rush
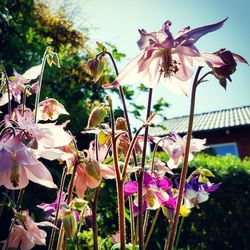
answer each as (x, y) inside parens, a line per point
(118, 22)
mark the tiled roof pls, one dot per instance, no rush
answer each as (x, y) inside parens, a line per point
(226, 118)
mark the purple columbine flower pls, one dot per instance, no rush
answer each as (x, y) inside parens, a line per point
(156, 192)
(50, 208)
(197, 192)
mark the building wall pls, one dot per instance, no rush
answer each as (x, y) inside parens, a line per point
(240, 135)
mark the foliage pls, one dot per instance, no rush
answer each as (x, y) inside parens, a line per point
(220, 223)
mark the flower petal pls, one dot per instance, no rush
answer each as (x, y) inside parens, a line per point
(192, 36)
(40, 174)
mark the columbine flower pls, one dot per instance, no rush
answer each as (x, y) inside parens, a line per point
(155, 192)
(50, 208)
(18, 165)
(197, 192)
(89, 175)
(17, 84)
(49, 137)
(168, 57)
(26, 234)
(50, 109)
(175, 146)
(223, 73)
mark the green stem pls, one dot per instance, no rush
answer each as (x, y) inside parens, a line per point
(173, 226)
(179, 234)
(141, 172)
(52, 236)
(8, 90)
(40, 84)
(151, 228)
(94, 222)
(119, 184)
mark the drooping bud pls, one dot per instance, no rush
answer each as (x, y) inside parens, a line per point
(97, 116)
(78, 204)
(69, 223)
(15, 171)
(121, 124)
(87, 215)
(95, 69)
(223, 73)
(93, 169)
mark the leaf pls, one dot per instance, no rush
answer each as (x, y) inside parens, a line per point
(205, 172)
(101, 46)
(109, 161)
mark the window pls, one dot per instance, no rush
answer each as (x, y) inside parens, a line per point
(225, 148)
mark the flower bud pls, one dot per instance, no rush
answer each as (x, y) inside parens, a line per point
(96, 116)
(121, 124)
(78, 204)
(69, 223)
(95, 69)
(93, 169)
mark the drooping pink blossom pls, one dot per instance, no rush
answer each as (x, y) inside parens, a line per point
(50, 109)
(26, 234)
(175, 146)
(18, 165)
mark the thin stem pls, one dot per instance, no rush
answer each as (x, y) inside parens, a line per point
(131, 147)
(40, 84)
(151, 228)
(145, 224)
(141, 172)
(8, 90)
(132, 222)
(94, 222)
(94, 202)
(179, 234)
(154, 152)
(121, 93)
(173, 226)
(119, 184)
(10, 230)
(53, 232)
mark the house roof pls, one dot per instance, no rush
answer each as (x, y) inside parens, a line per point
(214, 120)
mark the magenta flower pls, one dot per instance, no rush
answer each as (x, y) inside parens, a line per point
(50, 208)
(168, 57)
(26, 234)
(156, 192)
(175, 146)
(18, 165)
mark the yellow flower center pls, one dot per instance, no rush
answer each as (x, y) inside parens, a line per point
(15, 171)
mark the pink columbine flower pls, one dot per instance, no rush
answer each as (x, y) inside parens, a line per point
(175, 146)
(18, 82)
(50, 109)
(156, 192)
(26, 234)
(48, 138)
(18, 165)
(168, 57)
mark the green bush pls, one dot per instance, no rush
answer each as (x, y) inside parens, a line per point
(223, 222)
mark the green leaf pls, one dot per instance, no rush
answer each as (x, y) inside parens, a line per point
(205, 172)
(101, 46)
